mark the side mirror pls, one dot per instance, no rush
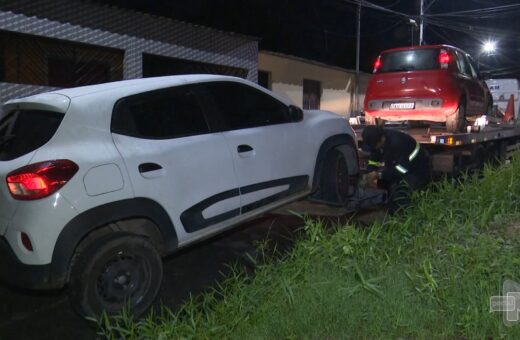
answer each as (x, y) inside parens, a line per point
(295, 114)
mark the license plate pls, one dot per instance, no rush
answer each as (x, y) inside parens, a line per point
(402, 106)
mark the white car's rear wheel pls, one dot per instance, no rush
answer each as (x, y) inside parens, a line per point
(116, 271)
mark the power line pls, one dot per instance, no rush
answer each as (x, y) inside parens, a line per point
(371, 5)
(470, 29)
(441, 35)
(504, 9)
(429, 5)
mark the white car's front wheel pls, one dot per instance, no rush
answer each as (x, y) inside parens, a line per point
(334, 184)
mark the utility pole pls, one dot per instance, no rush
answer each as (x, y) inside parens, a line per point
(421, 24)
(358, 46)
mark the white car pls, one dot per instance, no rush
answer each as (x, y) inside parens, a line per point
(102, 181)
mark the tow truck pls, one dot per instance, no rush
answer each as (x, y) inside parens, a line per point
(455, 153)
(451, 154)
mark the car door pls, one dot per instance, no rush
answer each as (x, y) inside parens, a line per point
(173, 158)
(268, 149)
(480, 86)
(466, 82)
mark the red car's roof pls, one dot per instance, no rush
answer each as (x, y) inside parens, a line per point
(407, 48)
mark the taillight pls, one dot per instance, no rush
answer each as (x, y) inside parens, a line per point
(41, 179)
(444, 58)
(377, 64)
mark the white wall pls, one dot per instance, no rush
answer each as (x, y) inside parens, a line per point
(287, 74)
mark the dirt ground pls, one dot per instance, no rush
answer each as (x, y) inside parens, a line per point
(48, 315)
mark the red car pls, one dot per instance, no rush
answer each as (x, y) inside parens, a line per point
(436, 83)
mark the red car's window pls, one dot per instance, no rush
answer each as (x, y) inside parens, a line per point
(409, 60)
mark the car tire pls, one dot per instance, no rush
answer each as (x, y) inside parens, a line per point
(335, 185)
(116, 271)
(457, 121)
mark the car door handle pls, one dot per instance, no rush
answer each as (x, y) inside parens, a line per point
(245, 151)
(244, 148)
(148, 167)
(151, 170)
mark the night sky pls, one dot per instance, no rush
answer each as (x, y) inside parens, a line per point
(325, 30)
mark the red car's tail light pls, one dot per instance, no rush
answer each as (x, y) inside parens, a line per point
(377, 64)
(41, 179)
(444, 58)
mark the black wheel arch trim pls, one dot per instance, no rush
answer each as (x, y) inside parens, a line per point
(91, 219)
(329, 144)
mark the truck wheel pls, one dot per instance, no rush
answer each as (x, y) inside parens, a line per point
(115, 271)
(457, 121)
(335, 178)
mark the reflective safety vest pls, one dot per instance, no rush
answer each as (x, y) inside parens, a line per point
(412, 156)
(375, 163)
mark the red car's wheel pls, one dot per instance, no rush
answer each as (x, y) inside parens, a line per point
(457, 121)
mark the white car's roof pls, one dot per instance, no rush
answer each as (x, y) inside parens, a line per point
(115, 90)
(141, 84)
(109, 93)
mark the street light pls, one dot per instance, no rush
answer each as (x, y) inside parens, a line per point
(413, 26)
(489, 48)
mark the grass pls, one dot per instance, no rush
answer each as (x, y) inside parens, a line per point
(427, 273)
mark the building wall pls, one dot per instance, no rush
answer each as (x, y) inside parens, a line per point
(132, 32)
(287, 74)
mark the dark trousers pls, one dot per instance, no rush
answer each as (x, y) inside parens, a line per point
(400, 190)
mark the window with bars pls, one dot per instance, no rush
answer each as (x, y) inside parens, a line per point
(156, 66)
(264, 78)
(32, 60)
(311, 94)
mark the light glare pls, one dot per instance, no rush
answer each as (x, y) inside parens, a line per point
(489, 47)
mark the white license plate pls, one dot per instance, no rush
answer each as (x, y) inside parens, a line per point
(402, 106)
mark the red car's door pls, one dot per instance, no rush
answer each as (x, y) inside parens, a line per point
(480, 96)
(468, 84)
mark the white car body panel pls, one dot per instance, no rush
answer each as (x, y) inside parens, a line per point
(277, 153)
(192, 172)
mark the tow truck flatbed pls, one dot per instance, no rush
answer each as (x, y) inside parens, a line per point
(453, 153)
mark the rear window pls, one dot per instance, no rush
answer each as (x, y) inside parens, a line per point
(163, 114)
(23, 131)
(411, 60)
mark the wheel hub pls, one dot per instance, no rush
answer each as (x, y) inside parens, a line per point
(121, 279)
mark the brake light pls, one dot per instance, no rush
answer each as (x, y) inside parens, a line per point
(377, 64)
(41, 179)
(444, 58)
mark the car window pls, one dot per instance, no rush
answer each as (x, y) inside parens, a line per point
(243, 107)
(461, 62)
(409, 60)
(465, 65)
(163, 114)
(474, 71)
(23, 131)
